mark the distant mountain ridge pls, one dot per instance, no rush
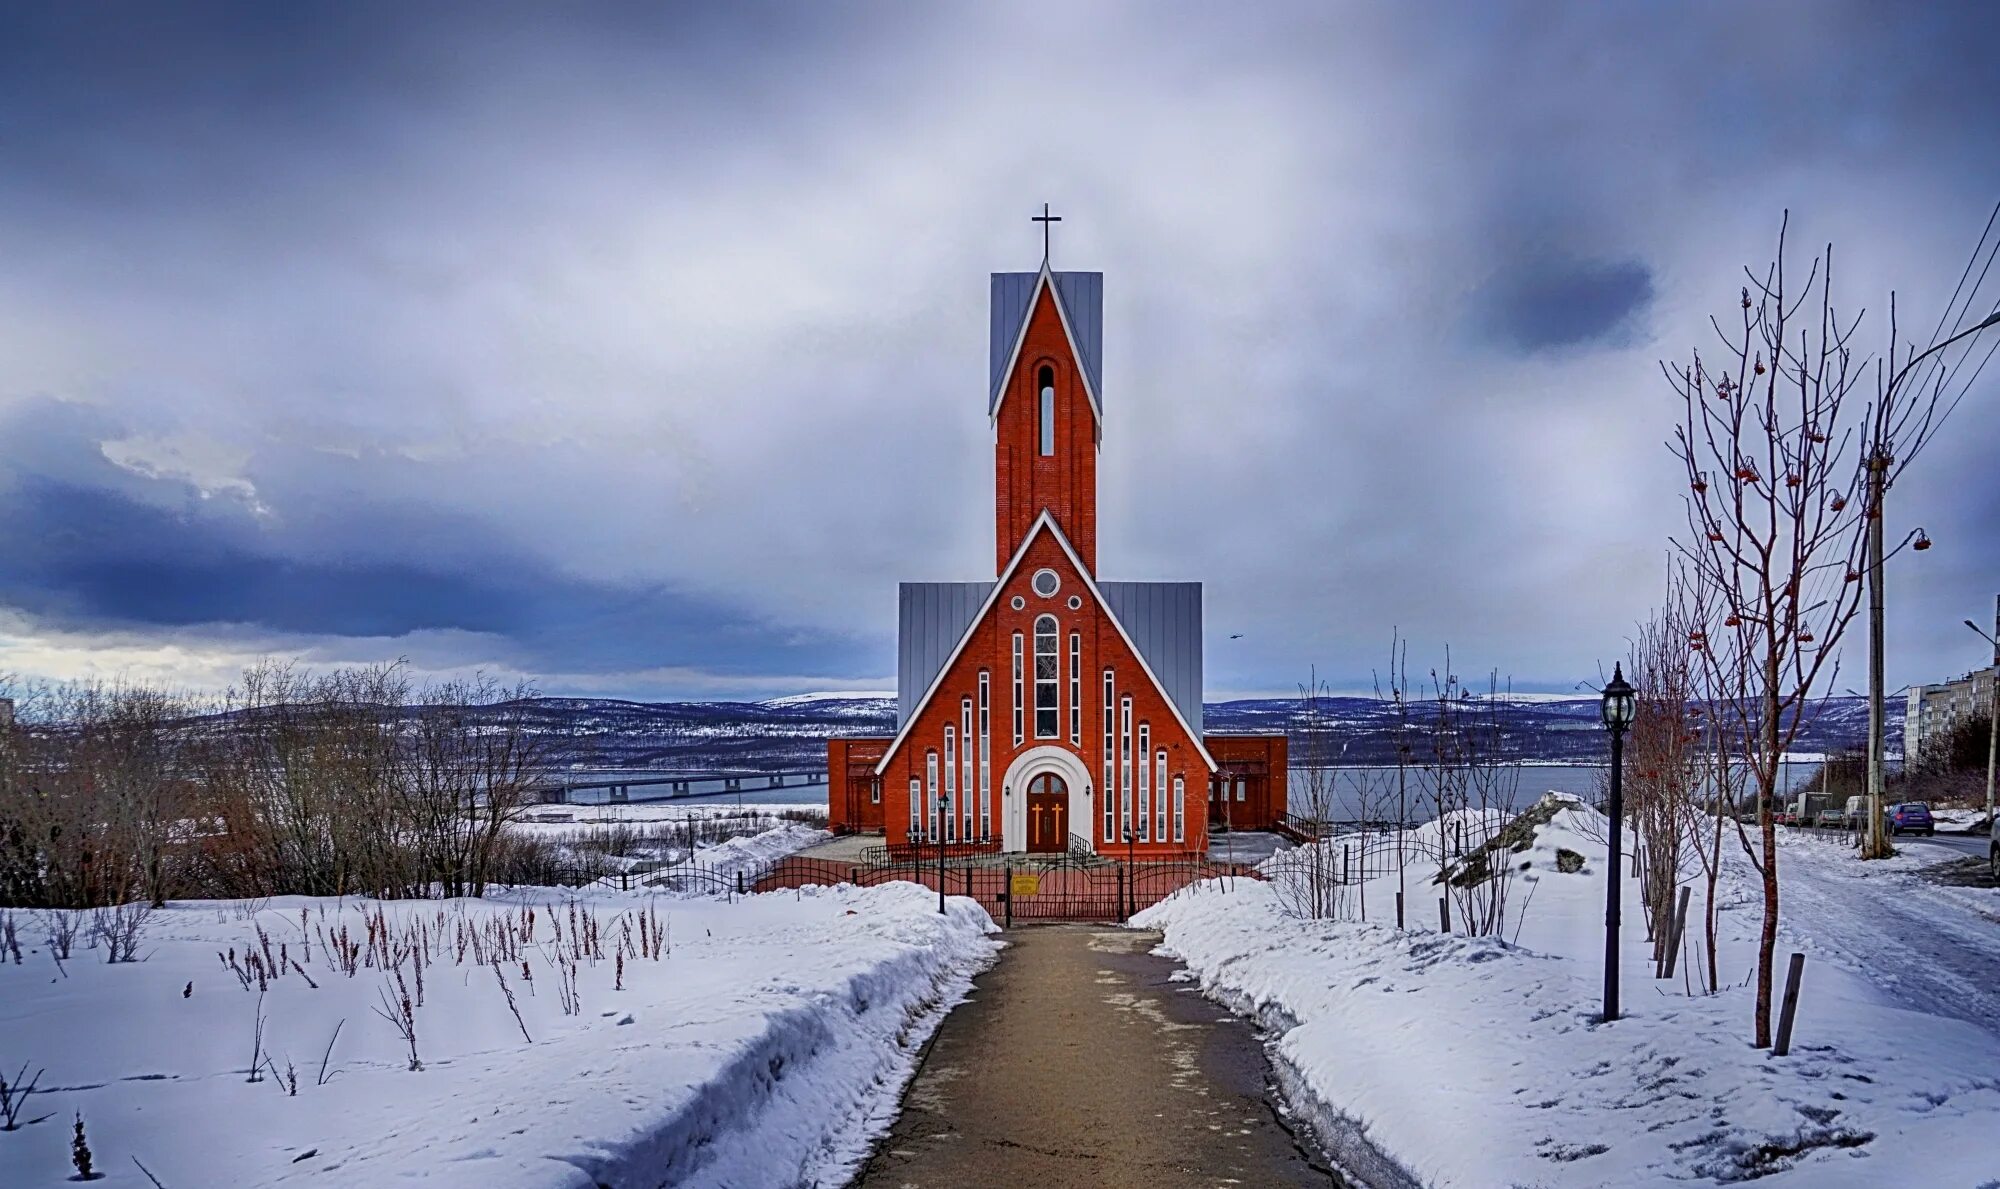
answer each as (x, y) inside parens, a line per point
(790, 733)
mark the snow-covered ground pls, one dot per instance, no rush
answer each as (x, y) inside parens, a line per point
(1930, 948)
(660, 1041)
(646, 837)
(1449, 1060)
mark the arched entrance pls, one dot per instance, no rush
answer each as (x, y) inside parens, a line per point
(1048, 814)
(1054, 778)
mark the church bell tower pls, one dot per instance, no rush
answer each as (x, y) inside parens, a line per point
(1046, 404)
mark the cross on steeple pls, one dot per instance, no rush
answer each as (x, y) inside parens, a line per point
(1045, 218)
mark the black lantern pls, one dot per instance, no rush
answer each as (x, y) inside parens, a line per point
(1621, 705)
(1621, 701)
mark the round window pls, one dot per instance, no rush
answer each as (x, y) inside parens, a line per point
(1076, 602)
(1019, 602)
(1046, 583)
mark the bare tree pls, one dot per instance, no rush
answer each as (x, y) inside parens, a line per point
(1786, 470)
(1769, 441)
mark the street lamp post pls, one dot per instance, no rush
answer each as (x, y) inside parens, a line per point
(1620, 705)
(1992, 713)
(1879, 462)
(944, 811)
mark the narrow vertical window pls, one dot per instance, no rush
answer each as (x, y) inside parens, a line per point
(1125, 761)
(950, 822)
(1180, 790)
(965, 759)
(930, 794)
(985, 757)
(1076, 688)
(1020, 705)
(1108, 786)
(1160, 796)
(916, 809)
(1048, 386)
(1048, 681)
(1145, 780)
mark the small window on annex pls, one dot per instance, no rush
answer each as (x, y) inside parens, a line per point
(1047, 383)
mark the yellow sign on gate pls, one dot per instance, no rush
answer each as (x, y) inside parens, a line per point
(1026, 885)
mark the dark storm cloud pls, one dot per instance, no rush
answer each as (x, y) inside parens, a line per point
(641, 347)
(1552, 303)
(100, 547)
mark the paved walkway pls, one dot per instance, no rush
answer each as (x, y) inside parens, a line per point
(1078, 1063)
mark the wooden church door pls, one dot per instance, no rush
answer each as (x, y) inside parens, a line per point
(1048, 801)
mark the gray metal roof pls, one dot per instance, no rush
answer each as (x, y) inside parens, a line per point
(931, 616)
(1164, 620)
(1082, 297)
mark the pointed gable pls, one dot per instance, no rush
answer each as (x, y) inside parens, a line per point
(1079, 303)
(1162, 606)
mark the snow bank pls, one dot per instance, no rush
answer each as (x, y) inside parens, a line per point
(765, 1044)
(1433, 1059)
(752, 853)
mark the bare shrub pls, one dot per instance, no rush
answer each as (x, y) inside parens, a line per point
(61, 928)
(14, 1096)
(119, 928)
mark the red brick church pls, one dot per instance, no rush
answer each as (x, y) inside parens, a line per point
(1045, 709)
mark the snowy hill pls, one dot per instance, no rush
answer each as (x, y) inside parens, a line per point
(790, 733)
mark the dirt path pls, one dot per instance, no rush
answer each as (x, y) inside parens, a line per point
(1078, 1063)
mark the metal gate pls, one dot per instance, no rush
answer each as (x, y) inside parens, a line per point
(1023, 889)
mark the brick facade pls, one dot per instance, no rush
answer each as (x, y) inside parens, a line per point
(1025, 481)
(1248, 791)
(1099, 646)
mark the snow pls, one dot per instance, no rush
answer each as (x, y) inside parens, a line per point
(831, 695)
(751, 853)
(1446, 1060)
(765, 1045)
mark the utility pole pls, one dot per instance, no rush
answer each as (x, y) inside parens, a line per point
(1878, 469)
(1880, 459)
(1992, 705)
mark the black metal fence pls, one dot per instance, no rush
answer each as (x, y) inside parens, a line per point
(1021, 888)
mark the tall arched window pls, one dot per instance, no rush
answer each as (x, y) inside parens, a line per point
(1047, 383)
(1048, 680)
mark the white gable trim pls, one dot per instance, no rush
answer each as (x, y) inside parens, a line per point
(1042, 521)
(1045, 281)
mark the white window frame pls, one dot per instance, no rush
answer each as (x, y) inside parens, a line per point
(1180, 812)
(1048, 690)
(1076, 689)
(1145, 782)
(966, 760)
(1125, 761)
(931, 823)
(916, 809)
(1020, 706)
(1160, 796)
(1107, 790)
(949, 823)
(985, 756)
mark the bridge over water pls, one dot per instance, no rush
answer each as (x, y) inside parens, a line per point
(616, 787)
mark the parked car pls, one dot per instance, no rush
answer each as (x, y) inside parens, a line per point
(1857, 812)
(1912, 817)
(1830, 819)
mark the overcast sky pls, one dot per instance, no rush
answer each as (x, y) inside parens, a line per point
(642, 353)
